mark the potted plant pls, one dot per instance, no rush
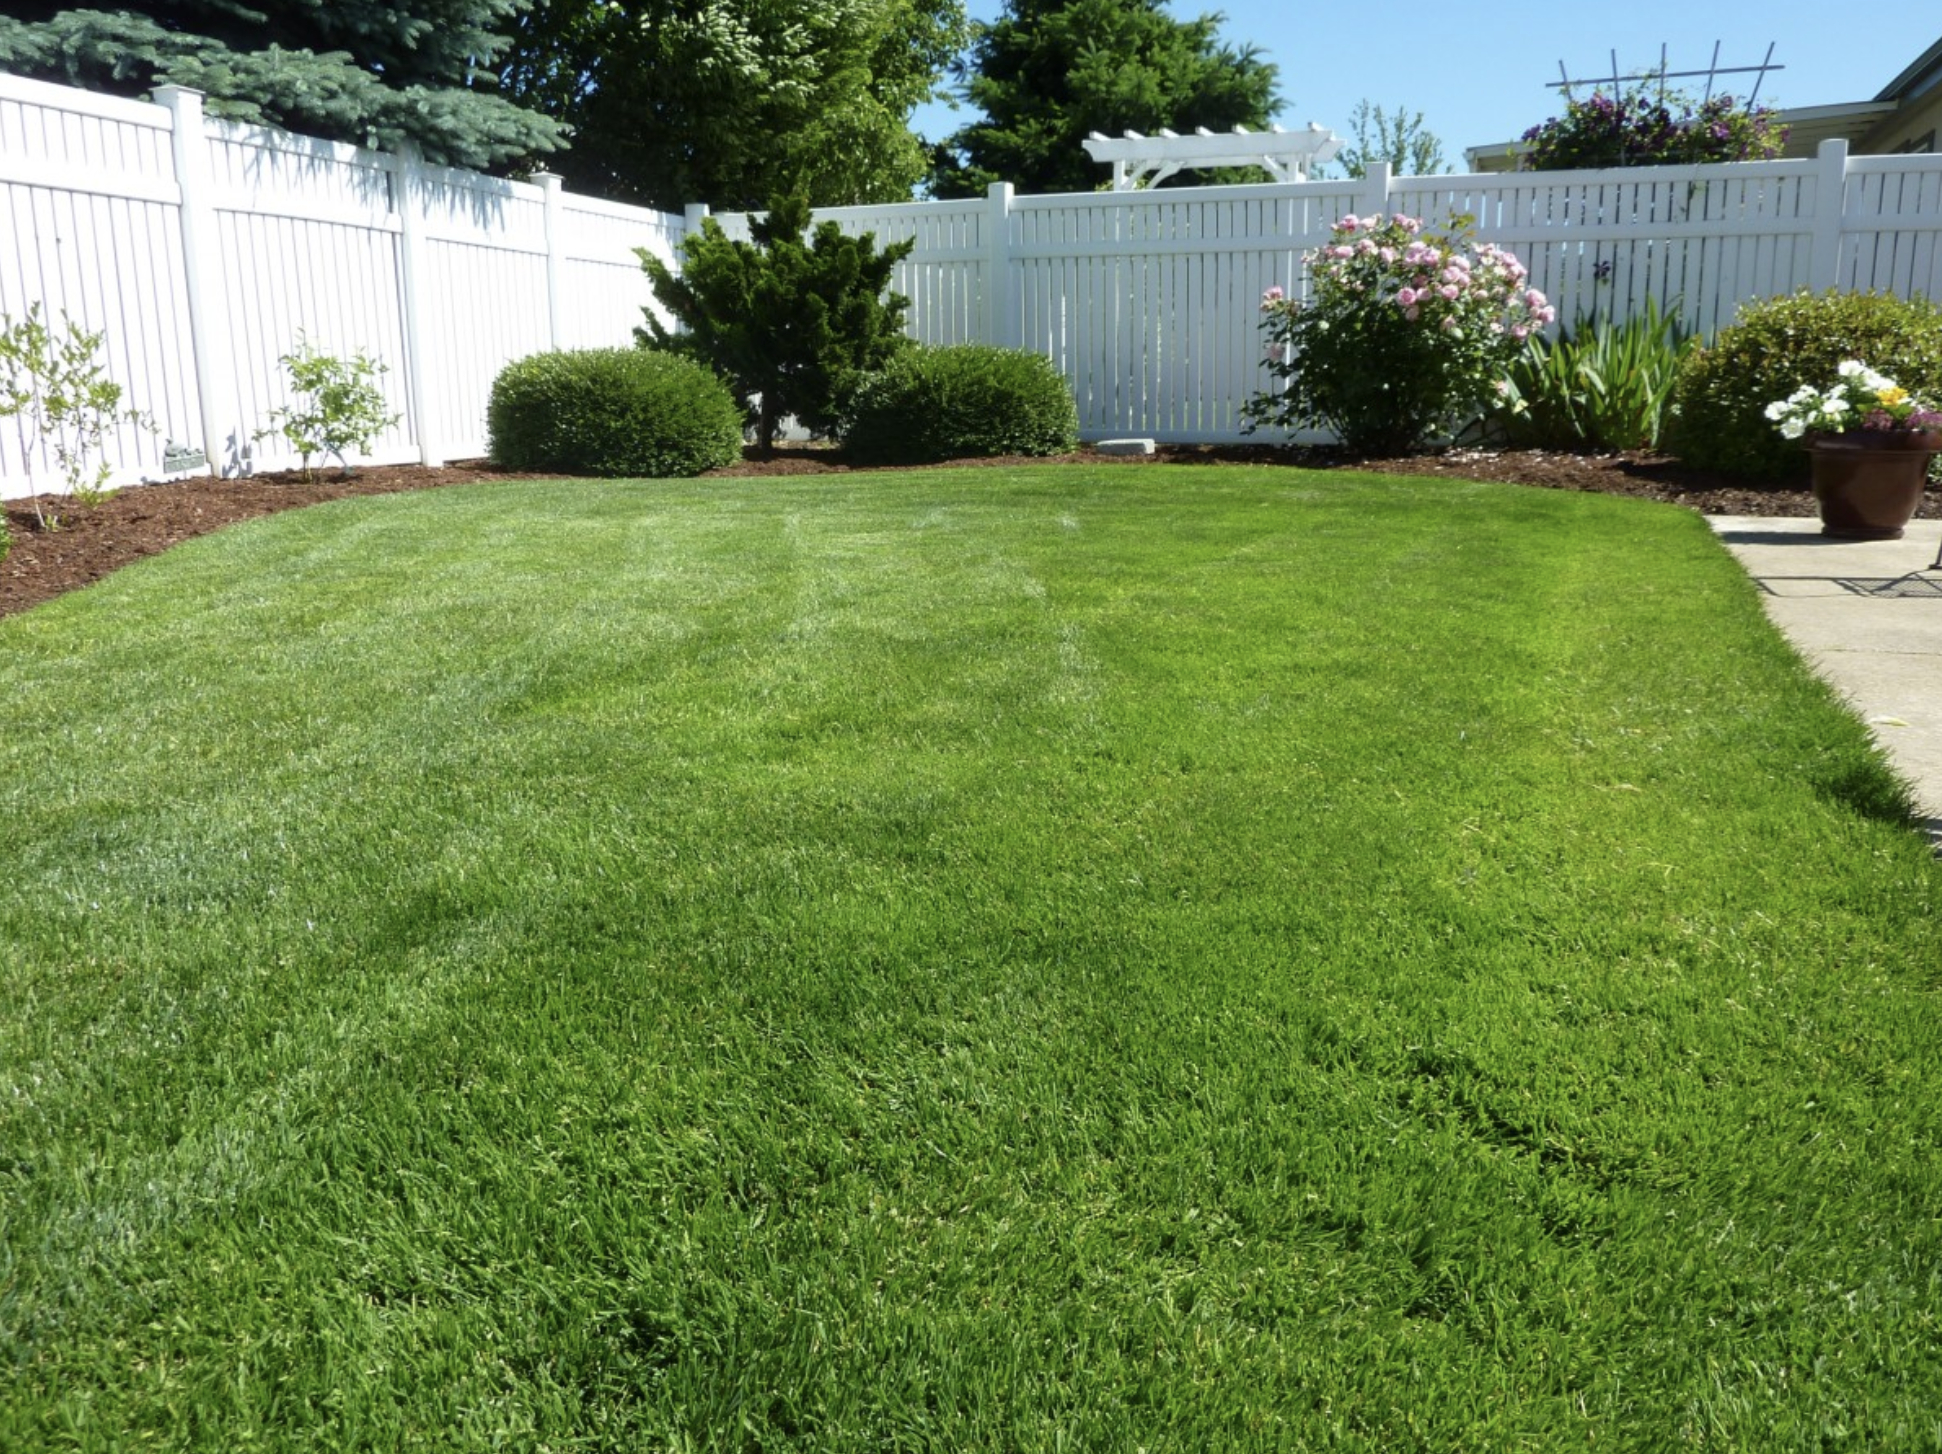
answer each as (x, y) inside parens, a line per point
(1870, 441)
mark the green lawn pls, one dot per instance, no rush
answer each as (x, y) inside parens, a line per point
(1044, 959)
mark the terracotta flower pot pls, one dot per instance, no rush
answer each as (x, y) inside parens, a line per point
(1869, 483)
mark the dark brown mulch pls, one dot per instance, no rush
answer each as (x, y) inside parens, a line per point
(138, 522)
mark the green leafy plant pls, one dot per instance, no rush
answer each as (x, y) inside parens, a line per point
(966, 401)
(1601, 385)
(1644, 125)
(340, 406)
(1717, 414)
(1404, 335)
(614, 412)
(59, 395)
(793, 319)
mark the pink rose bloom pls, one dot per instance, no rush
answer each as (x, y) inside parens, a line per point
(1410, 313)
(1547, 314)
(1406, 298)
(1518, 330)
(1388, 254)
(1449, 323)
(1534, 300)
(1273, 295)
(1349, 223)
(1450, 291)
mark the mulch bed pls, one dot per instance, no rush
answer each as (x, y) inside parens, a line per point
(142, 521)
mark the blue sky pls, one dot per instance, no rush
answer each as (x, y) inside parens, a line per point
(1478, 73)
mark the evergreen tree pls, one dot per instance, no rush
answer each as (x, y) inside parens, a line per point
(792, 322)
(363, 71)
(730, 102)
(1049, 72)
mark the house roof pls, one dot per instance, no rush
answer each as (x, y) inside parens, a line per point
(1924, 73)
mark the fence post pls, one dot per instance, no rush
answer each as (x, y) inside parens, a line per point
(1830, 203)
(1375, 189)
(405, 187)
(1000, 312)
(550, 184)
(209, 335)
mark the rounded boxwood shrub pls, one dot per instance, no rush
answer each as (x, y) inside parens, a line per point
(960, 402)
(612, 411)
(1716, 416)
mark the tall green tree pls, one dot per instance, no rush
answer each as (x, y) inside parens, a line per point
(362, 71)
(730, 102)
(1399, 138)
(1049, 72)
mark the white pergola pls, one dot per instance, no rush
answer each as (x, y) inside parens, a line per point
(1146, 161)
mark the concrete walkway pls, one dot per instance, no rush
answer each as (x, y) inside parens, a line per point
(1867, 616)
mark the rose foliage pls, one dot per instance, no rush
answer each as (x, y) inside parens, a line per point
(1640, 127)
(1405, 335)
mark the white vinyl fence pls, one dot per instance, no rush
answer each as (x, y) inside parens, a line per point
(204, 251)
(1148, 300)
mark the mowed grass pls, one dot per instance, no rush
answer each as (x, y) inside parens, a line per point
(1047, 959)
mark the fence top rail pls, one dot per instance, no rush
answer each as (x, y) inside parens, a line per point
(619, 211)
(86, 103)
(290, 143)
(931, 206)
(1901, 162)
(1609, 176)
(1239, 192)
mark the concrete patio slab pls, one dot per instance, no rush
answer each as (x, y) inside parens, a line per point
(1867, 616)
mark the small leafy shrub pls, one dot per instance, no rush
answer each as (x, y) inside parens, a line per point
(961, 402)
(793, 319)
(614, 412)
(339, 407)
(54, 387)
(1601, 385)
(1404, 336)
(1644, 126)
(1717, 416)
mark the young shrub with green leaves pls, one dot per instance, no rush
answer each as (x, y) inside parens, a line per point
(1717, 413)
(1600, 385)
(793, 319)
(59, 395)
(618, 412)
(339, 407)
(962, 402)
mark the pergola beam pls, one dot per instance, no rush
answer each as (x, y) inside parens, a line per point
(1138, 160)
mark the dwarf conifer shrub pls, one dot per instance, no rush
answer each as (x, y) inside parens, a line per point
(960, 402)
(1717, 419)
(612, 411)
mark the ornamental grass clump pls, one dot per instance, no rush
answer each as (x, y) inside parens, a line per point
(1403, 338)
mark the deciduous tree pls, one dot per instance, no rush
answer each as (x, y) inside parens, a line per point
(1049, 72)
(729, 102)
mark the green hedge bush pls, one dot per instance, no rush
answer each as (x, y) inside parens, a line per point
(612, 411)
(954, 403)
(1716, 417)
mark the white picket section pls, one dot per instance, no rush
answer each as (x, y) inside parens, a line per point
(88, 230)
(442, 276)
(204, 257)
(1148, 301)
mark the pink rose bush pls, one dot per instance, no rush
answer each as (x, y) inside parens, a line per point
(1403, 337)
